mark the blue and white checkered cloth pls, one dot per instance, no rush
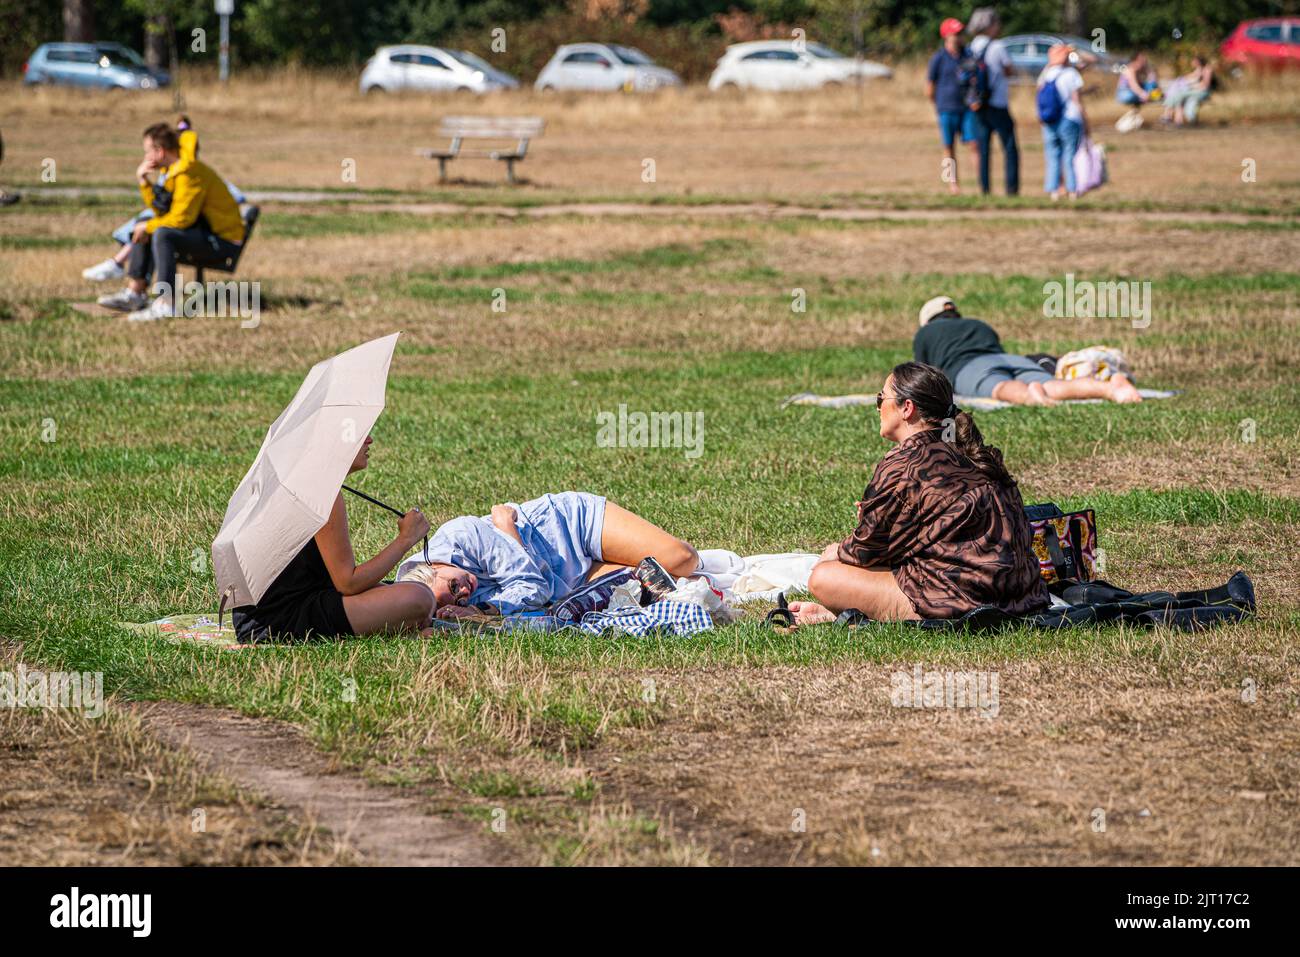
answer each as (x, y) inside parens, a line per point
(680, 618)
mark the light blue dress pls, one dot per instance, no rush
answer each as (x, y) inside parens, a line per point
(561, 541)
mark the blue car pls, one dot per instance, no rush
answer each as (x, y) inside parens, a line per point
(108, 66)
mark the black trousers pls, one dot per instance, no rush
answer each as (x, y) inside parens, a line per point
(198, 242)
(997, 119)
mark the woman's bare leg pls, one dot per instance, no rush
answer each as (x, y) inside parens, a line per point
(626, 538)
(1117, 389)
(389, 608)
(874, 592)
(1023, 393)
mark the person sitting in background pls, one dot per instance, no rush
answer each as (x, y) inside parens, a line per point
(525, 557)
(971, 355)
(1188, 92)
(1060, 110)
(1137, 83)
(941, 526)
(203, 221)
(115, 266)
(943, 88)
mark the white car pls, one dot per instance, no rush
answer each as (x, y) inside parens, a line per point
(431, 69)
(789, 65)
(603, 66)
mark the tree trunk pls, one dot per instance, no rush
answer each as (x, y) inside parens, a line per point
(78, 21)
(157, 34)
(1074, 17)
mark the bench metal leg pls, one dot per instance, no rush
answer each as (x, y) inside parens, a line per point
(442, 169)
(510, 171)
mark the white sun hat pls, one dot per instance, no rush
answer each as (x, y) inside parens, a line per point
(935, 306)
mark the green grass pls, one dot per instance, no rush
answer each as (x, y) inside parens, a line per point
(112, 520)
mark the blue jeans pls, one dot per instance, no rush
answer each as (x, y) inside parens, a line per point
(997, 119)
(1060, 143)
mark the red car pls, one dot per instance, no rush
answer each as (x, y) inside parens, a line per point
(1270, 42)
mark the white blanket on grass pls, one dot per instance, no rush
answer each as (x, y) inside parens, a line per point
(976, 403)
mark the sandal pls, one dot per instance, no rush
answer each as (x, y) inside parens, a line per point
(780, 617)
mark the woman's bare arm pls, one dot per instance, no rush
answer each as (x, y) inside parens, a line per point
(335, 544)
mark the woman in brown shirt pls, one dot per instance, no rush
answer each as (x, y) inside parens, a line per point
(941, 528)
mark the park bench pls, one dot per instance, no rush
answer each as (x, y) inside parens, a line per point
(231, 262)
(521, 129)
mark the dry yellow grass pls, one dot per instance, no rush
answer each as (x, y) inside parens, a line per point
(295, 129)
(91, 792)
(813, 765)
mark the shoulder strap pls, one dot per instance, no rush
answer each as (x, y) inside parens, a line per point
(1054, 551)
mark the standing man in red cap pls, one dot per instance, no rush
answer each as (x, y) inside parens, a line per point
(943, 87)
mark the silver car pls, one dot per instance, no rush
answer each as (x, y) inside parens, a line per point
(1028, 54)
(603, 66)
(433, 70)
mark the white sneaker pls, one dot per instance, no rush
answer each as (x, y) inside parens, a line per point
(160, 308)
(103, 272)
(124, 300)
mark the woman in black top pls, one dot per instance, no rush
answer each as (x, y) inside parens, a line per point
(970, 354)
(324, 593)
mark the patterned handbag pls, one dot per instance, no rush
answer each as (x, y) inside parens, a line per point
(1065, 543)
(593, 596)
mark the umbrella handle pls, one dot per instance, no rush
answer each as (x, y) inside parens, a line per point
(375, 501)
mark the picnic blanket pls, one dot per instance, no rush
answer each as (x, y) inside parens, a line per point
(972, 403)
(1099, 602)
(680, 618)
(193, 629)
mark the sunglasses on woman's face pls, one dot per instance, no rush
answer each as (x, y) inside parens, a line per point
(881, 399)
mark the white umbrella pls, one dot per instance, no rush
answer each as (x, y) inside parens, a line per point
(290, 489)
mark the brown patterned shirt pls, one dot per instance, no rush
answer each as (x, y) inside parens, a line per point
(953, 538)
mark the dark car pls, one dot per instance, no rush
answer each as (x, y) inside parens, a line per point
(1028, 53)
(108, 66)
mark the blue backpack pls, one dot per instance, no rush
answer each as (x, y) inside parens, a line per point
(973, 78)
(1050, 105)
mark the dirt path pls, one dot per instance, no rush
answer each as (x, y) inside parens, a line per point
(379, 824)
(759, 210)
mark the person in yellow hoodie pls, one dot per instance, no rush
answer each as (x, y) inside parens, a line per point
(201, 220)
(114, 267)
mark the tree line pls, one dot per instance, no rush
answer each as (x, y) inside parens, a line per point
(519, 35)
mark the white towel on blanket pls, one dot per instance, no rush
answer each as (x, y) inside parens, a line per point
(757, 577)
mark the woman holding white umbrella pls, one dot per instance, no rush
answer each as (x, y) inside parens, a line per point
(324, 592)
(283, 559)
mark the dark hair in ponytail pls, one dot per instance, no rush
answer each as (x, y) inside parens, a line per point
(931, 392)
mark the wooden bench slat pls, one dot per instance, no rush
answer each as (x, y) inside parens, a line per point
(459, 128)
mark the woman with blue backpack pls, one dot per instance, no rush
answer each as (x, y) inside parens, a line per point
(1060, 111)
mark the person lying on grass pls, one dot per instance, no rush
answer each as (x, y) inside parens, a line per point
(971, 355)
(941, 527)
(324, 593)
(525, 557)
